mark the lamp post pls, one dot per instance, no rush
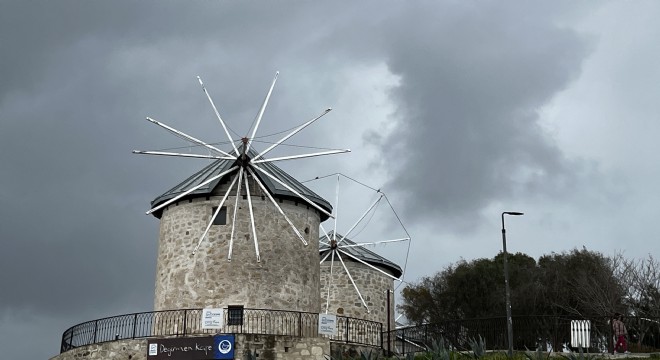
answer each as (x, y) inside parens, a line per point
(389, 321)
(509, 321)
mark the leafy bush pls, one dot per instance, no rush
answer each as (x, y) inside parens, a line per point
(439, 351)
(581, 356)
(371, 355)
(537, 355)
(478, 347)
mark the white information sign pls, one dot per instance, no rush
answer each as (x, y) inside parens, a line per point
(212, 318)
(327, 324)
(153, 349)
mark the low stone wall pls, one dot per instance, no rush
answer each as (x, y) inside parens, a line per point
(131, 349)
(277, 347)
(267, 347)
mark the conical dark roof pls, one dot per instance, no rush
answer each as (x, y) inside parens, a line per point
(219, 166)
(359, 252)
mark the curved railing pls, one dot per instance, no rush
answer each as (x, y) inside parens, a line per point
(242, 321)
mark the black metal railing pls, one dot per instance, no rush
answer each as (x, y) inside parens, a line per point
(529, 332)
(188, 322)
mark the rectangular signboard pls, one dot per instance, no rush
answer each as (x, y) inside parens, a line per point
(212, 318)
(223, 346)
(191, 348)
(327, 324)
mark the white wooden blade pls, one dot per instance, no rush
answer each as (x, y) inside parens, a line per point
(215, 214)
(217, 114)
(336, 209)
(261, 111)
(361, 217)
(189, 138)
(353, 282)
(277, 206)
(366, 263)
(199, 156)
(375, 243)
(321, 153)
(292, 190)
(324, 233)
(254, 228)
(233, 219)
(326, 256)
(295, 131)
(327, 299)
(191, 190)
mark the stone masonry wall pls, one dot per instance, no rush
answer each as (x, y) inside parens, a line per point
(131, 349)
(274, 347)
(345, 301)
(267, 347)
(287, 278)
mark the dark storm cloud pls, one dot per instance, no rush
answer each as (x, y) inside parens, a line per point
(472, 82)
(69, 228)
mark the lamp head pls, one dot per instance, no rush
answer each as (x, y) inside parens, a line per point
(513, 213)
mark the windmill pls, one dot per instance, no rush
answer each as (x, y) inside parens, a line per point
(357, 279)
(246, 164)
(240, 203)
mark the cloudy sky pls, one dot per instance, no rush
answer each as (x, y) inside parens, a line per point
(456, 110)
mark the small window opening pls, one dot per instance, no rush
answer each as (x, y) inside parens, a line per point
(221, 219)
(235, 315)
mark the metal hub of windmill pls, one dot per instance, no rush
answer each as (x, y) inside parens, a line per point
(246, 163)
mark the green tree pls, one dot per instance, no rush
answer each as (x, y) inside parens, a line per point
(524, 284)
(473, 289)
(579, 283)
(642, 295)
(642, 283)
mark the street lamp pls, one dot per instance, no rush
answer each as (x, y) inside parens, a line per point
(509, 322)
(389, 322)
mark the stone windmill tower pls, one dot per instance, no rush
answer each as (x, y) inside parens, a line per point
(355, 281)
(240, 231)
(362, 269)
(286, 277)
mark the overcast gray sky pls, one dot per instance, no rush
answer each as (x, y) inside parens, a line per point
(457, 110)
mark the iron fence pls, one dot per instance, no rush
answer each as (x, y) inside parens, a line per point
(238, 321)
(548, 333)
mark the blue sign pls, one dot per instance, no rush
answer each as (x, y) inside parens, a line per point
(223, 346)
